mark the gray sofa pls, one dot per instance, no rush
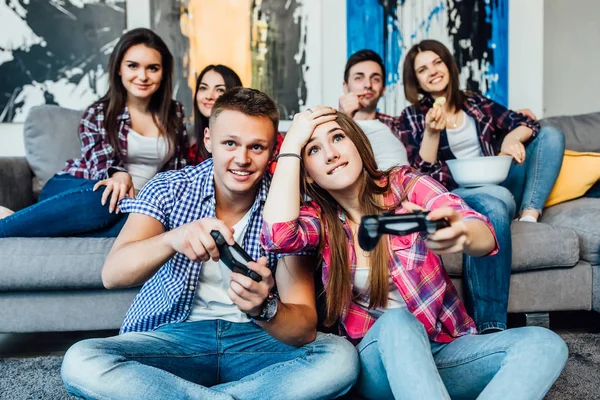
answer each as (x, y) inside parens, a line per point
(54, 284)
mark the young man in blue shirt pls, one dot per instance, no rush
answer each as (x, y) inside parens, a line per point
(197, 330)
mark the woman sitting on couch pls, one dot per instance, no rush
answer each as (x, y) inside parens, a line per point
(129, 135)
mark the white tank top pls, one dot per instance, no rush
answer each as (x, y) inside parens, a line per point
(361, 290)
(463, 140)
(145, 157)
(388, 149)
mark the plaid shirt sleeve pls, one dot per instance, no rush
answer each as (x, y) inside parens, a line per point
(506, 120)
(299, 236)
(430, 194)
(154, 200)
(409, 128)
(181, 158)
(97, 154)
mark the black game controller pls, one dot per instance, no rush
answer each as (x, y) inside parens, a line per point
(373, 226)
(234, 257)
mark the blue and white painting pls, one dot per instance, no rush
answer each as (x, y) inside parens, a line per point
(55, 52)
(476, 31)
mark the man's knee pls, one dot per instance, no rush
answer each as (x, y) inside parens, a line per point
(342, 355)
(82, 364)
(495, 206)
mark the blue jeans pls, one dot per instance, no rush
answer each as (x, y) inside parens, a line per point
(488, 278)
(67, 206)
(532, 182)
(209, 360)
(398, 361)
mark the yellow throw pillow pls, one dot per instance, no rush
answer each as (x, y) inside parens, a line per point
(577, 175)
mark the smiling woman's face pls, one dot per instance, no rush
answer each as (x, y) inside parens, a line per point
(211, 88)
(432, 73)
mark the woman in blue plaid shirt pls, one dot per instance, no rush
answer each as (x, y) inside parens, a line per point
(127, 136)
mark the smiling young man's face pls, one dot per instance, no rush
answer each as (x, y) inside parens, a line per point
(241, 147)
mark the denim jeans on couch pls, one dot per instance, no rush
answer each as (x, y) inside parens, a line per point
(67, 207)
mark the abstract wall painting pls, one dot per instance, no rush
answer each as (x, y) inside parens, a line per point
(55, 52)
(273, 45)
(476, 31)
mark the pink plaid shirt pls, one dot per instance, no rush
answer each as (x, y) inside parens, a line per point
(417, 272)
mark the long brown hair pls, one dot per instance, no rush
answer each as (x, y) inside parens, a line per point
(412, 90)
(231, 80)
(338, 287)
(162, 107)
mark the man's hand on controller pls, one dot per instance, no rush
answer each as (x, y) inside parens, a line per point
(248, 294)
(195, 241)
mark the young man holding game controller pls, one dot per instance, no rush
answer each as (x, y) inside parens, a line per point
(197, 330)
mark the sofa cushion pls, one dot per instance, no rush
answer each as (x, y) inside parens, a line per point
(51, 137)
(52, 263)
(582, 215)
(579, 172)
(535, 246)
(582, 132)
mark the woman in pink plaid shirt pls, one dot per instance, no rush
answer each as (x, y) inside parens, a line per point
(414, 337)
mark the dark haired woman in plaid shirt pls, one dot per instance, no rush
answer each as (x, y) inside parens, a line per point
(129, 135)
(464, 124)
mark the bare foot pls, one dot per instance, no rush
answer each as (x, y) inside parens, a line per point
(5, 212)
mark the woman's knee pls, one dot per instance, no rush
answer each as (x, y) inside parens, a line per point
(549, 349)
(551, 136)
(400, 324)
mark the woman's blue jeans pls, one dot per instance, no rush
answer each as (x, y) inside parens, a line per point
(531, 182)
(209, 360)
(488, 278)
(398, 361)
(67, 206)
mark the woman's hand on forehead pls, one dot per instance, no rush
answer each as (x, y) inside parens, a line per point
(304, 125)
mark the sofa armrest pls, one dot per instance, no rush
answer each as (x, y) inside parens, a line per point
(16, 190)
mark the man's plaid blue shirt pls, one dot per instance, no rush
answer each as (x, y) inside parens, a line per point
(175, 198)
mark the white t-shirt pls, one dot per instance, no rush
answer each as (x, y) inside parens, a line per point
(463, 140)
(145, 157)
(361, 290)
(211, 300)
(389, 150)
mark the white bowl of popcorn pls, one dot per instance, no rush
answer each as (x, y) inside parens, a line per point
(480, 171)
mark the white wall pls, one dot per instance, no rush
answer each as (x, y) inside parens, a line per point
(571, 56)
(526, 55)
(333, 50)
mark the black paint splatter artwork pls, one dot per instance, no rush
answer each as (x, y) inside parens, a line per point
(73, 45)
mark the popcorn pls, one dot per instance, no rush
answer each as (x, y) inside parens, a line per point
(440, 101)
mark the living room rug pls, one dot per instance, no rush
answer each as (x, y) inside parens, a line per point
(39, 377)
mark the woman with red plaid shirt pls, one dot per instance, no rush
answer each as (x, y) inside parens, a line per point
(129, 135)
(415, 338)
